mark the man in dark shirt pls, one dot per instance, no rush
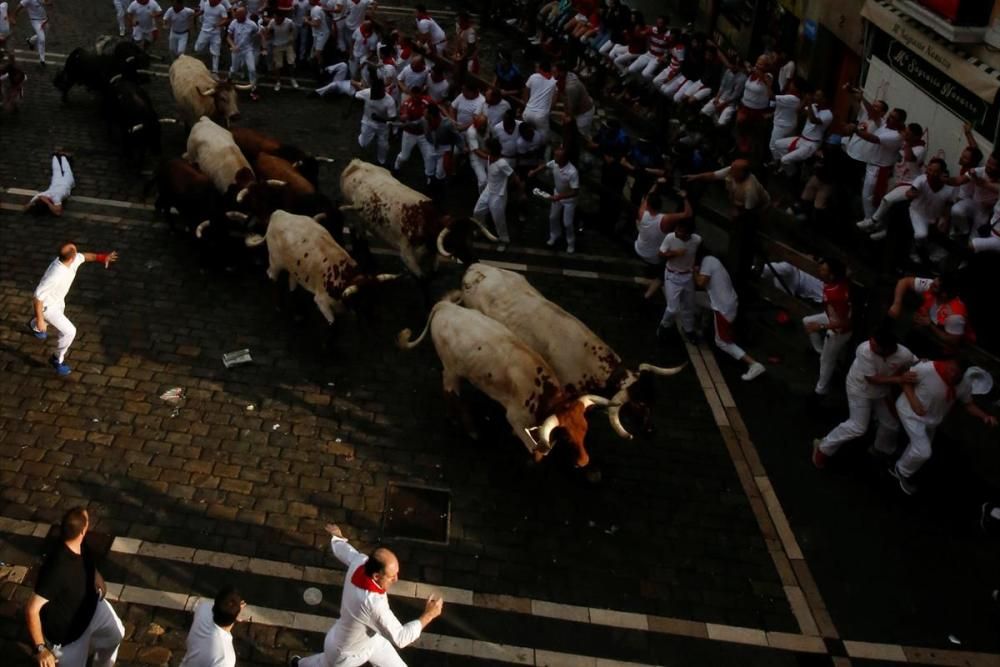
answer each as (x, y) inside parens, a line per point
(68, 617)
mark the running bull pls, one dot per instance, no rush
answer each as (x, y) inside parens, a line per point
(492, 358)
(405, 218)
(212, 148)
(97, 70)
(198, 94)
(584, 362)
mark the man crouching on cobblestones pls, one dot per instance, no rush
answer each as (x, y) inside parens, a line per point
(367, 630)
(50, 299)
(68, 618)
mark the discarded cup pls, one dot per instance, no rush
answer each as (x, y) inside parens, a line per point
(236, 357)
(173, 395)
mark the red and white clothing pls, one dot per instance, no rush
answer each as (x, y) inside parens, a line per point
(466, 109)
(990, 243)
(410, 77)
(541, 93)
(952, 317)
(971, 213)
(677, 53)
(724, 302)
(433, 33)
(366, 630)
(651, 235)
(565, 180)
(144, 20)
(879, 168)
(929, 206)
(657, 41)
(180, 27)
(793, 150)
(865, 398)
(493, 198)
(756, 94)
(363, 47)
(52, 291)
(786, 118)
(829, 341)
(414, 133)
(904, 174)
(678, 281)
(208, 645)
(355, 13)
(860, 149)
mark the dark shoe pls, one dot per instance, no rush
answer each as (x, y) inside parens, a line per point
(908, 487)
(31, 46)
(294, 661)
(40, 335)
(62, 370)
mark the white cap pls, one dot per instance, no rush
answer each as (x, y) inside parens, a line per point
(980, 381)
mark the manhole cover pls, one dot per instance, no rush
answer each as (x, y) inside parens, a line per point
(415, 512)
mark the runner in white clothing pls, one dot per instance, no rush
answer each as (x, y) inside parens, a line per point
(494, 196)
(429, 33)
(711, 276)
(888, 140)
(475, 142)
(281, 31)
(909, 166)
(367, 630)
(60, 187)
(39, 19)
(879, 362)
(679, 248)
(50, 299)
(210, 639)
(121, 8)
(539, 94)
(241, 34)
(142, 18)
(566, 186)
(214, 16)
(786, 114)
(178, 19)
(379, 110)
(929, 198)
(793, 150)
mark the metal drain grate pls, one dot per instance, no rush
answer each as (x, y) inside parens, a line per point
(415, 512)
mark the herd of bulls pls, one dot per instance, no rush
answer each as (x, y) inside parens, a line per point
(238, 187)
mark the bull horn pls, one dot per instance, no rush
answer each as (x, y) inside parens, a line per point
(348, 207)
(590, 400)
(135, 128)
(207, 93)
(296, 164)
(168, 121)
(200, 229)
(238, 216)
(130, 59)
(277, 183)
(243, 86)
(319, 217)
(241, 195)
(545, 432)
(487, 233)
(349, 291)
(323, 158)
(440, 243)
(615, 419)
(253, 240)
(113, 80)
(386, 277)
(657, 370)
(146, 71)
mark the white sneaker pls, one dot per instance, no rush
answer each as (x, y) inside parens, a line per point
(865, 225)
(295, 84)
(277, 86)
(551, 242)
(570, 249)
(878, 236)
(121, 32)
(756, 370)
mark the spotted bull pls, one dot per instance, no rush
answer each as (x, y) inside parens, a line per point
(299, 245)
(582, 361)
(492, 358)
(405, 218)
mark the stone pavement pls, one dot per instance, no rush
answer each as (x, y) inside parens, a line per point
(668, 532)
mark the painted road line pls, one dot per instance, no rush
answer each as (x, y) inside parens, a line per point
(21, 192)
(801, 643)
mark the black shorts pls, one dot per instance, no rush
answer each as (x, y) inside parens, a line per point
(652, 271)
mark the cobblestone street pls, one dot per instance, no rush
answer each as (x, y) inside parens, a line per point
(678, 555)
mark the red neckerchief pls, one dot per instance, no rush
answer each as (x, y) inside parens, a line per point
(421, 17)
(404, 53)
(547, 75)
(389, 61)
(363, 581)
(948, 372)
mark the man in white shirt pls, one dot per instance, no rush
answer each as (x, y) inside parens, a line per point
(367, 630)
(475, 142)
(340, 82)
(989, 243)
(879, 362)
(412, 114)
(495, 108)
(50, 299)
(909, 166)
(793, 150)
(281, 31)
(969, 214)
(539, 93)
(506, 131)
(379, 110)
(320, 29)
(794, 281)
(429, 33)
(924, 404)
(786, 115)
(929, 198)
(467, 105)
(355, 13)
(210, 639)
(414, 74)
(364, 49)
(300, 12)
(60, 186)
(242, 32)
(214, 15)
(142, 16)
(493, 198)
(722, 108)
(39, 23)
(652, 226)
(888, 140)
(679, 248)
(566, 187)
(178, 19)
(711, 276)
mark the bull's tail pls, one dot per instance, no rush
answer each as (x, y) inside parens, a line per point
(405, 338)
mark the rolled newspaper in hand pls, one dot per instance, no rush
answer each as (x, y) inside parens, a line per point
(541, 194)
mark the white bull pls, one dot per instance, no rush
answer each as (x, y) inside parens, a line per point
(584, 362)
(198, 94)
(405, 218)
(502, 366)
(302, 247)
(212, 148)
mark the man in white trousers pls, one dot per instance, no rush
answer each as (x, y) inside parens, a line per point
(475, 141)
(241, 34)
(60, 187)
(49, 301)
(143, 16)
(494, 196)
(68, 619)
(340, 83)
(121, 7)
(879, 362)
(924, 404)
(830, 330)
(367, 631)
(793, 150)
(178, 20)
(214, 16)
(379, 110)
(39, 19)
(711, 276)
(539, 93)
(888, 139)
(679, 248)
(794, 281)
(566, 187)
(412, 114)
